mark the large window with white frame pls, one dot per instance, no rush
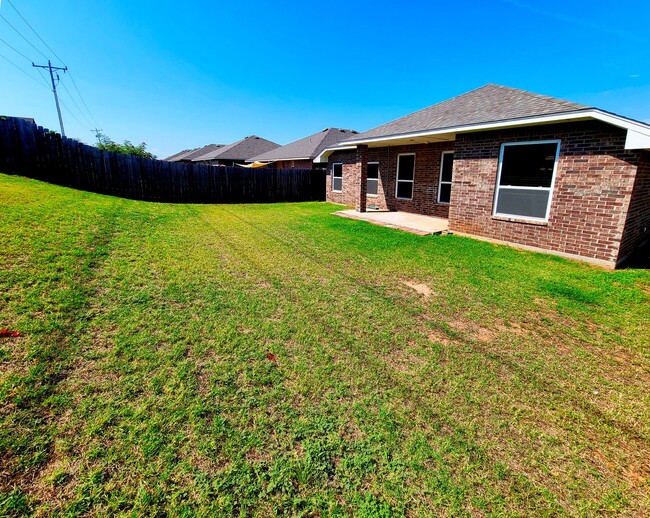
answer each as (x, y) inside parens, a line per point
(525, 179)
(373, 179)
(405, 176)
(337, 177)
(446, 168)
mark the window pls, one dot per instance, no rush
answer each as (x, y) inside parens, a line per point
(525, 179)
(337, 177)
(405, 176)
(373, 178)
(446, 167)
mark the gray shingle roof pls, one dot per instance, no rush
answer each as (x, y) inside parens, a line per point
(308, 147)
(193, 153)
(178, 156)
(241, 150)
(490, 103)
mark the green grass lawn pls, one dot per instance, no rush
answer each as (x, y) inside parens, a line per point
(414, 375)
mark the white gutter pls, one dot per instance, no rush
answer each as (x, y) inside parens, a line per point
(322, 158)
(638, 134)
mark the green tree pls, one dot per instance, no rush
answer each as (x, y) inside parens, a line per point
(107, 144)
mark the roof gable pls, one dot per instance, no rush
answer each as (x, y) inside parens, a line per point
(490, 103)
(306, 148)
(241, 150)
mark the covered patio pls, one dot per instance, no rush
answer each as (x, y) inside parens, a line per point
(414, 223)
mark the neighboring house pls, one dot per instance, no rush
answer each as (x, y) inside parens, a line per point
(508, 165)
(189, 154)
(237, 152)
(301, 153)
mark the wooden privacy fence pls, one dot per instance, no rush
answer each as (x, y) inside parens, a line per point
(32, 151)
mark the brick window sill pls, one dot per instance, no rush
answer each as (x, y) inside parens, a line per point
(522, 221)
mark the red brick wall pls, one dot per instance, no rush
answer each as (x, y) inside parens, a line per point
(637, 227)
(425, 188)
(351, 173)
(593, 186)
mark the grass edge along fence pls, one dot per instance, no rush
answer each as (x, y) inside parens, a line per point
(35, 152)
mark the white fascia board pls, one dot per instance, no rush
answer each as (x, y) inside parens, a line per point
(324, 155)
(637, 140)
(615, 120)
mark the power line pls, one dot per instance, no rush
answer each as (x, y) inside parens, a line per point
(75, 117)
(34, 31)
(75, 103)
(51, 68)
(44, 78)
(23, 37)
(15, 49)
(74, 83)
(21, 70)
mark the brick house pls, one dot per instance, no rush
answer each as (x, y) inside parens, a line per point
(301, 153)
(226, 155)
(510, 166)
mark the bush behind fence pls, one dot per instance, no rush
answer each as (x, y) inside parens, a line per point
(30, 150)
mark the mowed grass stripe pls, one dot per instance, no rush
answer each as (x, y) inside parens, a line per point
(591, 413)
(477, 398)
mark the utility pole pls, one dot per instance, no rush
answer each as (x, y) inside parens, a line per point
(56, 97)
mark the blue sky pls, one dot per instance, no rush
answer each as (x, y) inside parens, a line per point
(183, 74)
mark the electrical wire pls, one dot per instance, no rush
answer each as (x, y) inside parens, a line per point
(21, 70)
(40, 73)
(23, 37)
(34, 31)
(16, 50)
(75, 103)
(74, 83)
(70, 112)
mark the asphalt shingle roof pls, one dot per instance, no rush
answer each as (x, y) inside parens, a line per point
(193, 153)
(178, 156)
(490, 103)
(308, 147)
(241, 150)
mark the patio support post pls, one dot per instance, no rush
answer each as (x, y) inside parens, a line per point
(362, 164)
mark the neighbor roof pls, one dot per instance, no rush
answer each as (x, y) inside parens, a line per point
(305, 148)
(179, 155)
(241, 150)
(192, 153)
(490, 103)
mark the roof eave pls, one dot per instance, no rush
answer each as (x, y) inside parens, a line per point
(638, 132)
(258, 159)
(324, 155)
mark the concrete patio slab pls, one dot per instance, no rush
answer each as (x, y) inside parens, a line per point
(414, 223)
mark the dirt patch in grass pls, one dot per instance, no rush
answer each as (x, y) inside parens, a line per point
(420, 288)
(471, 330)
(404, 361)
(439, 337)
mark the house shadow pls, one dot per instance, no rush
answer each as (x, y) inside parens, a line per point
(638, 260)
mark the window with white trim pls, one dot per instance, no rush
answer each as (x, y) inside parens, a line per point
(525, 179)
(337, 177)
(405, 176)
(446, 168)
(373, 178)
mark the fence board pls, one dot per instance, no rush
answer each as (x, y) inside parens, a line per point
(35, 152)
